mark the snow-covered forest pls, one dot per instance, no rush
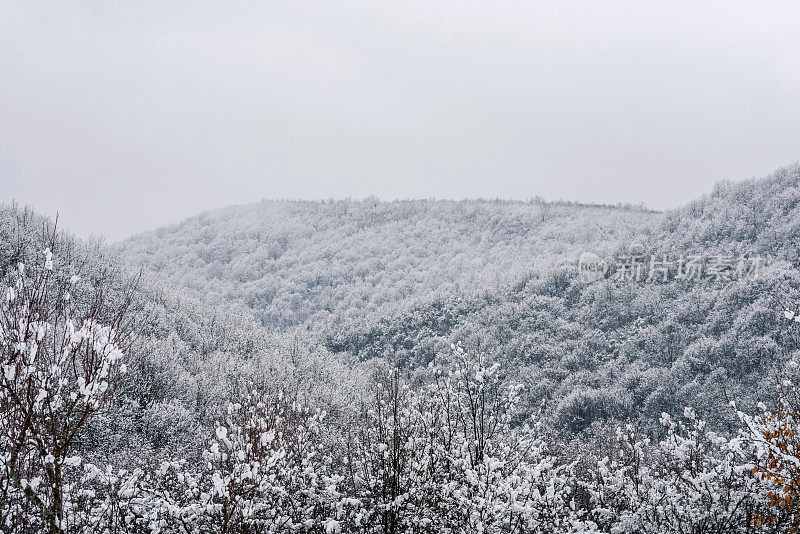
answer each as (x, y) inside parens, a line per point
(415, 366)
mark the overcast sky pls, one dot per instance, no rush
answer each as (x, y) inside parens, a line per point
(124, 116)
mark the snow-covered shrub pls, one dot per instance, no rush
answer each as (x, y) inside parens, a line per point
(774, 436)
(395, 465)
(501, 478)
(265, 471)
(693, 480)
(60, 360)
(446, 458)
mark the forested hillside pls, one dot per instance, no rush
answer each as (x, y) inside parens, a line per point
(401, 281)
(629, 349)
(189, 357)
(313, 263)
(439, 367)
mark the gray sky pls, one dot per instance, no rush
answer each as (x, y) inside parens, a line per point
(125, 116)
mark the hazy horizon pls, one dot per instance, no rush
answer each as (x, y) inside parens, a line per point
(156, 112)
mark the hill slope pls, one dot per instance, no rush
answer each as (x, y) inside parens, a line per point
(402, 280)
(626, 349)
(314, 263)
(190, 358)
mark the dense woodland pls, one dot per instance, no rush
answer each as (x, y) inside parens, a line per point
(402, 281)
(420, 366)
(314, 264)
